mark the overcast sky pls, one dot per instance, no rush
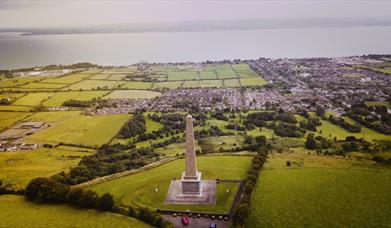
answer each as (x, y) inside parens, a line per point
(80, 13)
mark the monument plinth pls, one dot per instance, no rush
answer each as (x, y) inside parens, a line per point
(191, 189)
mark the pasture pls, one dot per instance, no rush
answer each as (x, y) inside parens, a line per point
(244, 71)
(229, 83)
(182, 75)
(168, 85)
(253, 81)
(137, 85)
(321, 191)
(190, 84)
(85, 130)
(37, 85)
(207, 75)
(211, 83)
(95, 84)
(18, 212)
(8, 119)
(32, 99)
(14, 108)
(132, 94)
(20, 167)
(68, 79)
(223, 71)
(19, 81)
(59, 98)
(140, 189)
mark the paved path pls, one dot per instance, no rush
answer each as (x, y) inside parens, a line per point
(197, 222)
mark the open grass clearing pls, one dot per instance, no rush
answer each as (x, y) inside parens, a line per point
(85, 130)
(321, 191)
(139, 189)
(18, 212)
(59, 98)
(133, 94)
(21, 166)
(32, 99)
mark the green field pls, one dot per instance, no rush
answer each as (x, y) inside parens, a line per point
(17, 212)
(53, 117)
(117, 77)
(99, 76)
(22, 166)
(207, 75)
(211, 83)
(190, 84)
(169, 85)
(13, 96)
(223, 71)
(321, 191)
(182, 75)
(69, 79)
(140, 189)
(244, 71)
(59, 98)
(95, 84)
(32, 99)
(138, 85)
(15, 108)
(86, 130)
(231, 83)
(36, 85)
(19, 81)
(253, 81)
(7, 119)
(132, 94)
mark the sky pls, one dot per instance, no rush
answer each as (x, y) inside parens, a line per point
(74, 13)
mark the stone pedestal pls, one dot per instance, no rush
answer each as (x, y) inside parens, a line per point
(191, 185)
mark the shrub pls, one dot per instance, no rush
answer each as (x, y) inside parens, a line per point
(105, 202)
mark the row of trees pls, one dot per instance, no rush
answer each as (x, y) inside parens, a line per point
(243, 209)
(133, 127)
(344, 124)
(77, 103)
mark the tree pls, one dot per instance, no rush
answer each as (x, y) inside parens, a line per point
(310, 143)
(320, 111)
(241, 213)
(46, 190)
(105, 202)
(132, 212)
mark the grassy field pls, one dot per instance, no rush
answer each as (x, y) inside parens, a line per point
(253, 81)
(99, 76)
(32, 99)
(211, 83)
(223, 71)
(95, 84)
(17, 212)
(13, 96)
(169, 85)
(190, 84)
(138, 85)
(69, 79)
(207, 75)
(7, 119)
(20, 167)
(19, 81)
(53, 117)
(139, 189)
(182, 75)
(321, 191)
(58, 98)
(36, 85)
(15, 108)
(86, 130)
(231, 83)
(117, 77)
(244, 71)
(132, 94)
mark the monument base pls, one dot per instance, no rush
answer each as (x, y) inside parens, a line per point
(207, 195)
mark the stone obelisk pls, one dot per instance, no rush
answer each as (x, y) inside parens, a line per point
(191, 178)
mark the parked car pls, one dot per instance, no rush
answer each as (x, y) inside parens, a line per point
(185, 220)
(213, 225)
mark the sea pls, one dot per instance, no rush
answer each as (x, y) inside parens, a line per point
(18, 50)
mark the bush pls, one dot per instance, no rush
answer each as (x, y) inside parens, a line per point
(46, 190)
(105, 202)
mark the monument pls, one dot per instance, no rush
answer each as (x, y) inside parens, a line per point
(190, 189)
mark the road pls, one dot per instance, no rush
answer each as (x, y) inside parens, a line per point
(197, 222)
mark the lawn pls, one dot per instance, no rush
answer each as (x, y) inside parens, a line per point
(253, 81)
(17, 212)
(183, 75)
(95, 84)
(85, 130)
(32, 99)
(244, 71)
(133, 94)
(68, 79)
(139, 189)
(321, 191)
(22, 166)
(7, 119)
(138, 85)
(58, 98)
(151, 124)
(211, 83)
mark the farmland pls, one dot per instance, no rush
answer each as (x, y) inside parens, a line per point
(17, 212)
(20, 167)
(69, 79)
(32, 99)
(85, 130)
(7, 119)
(59, 98)
(95, 84)
(132, 94)
(139, 189)
(317, 191)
